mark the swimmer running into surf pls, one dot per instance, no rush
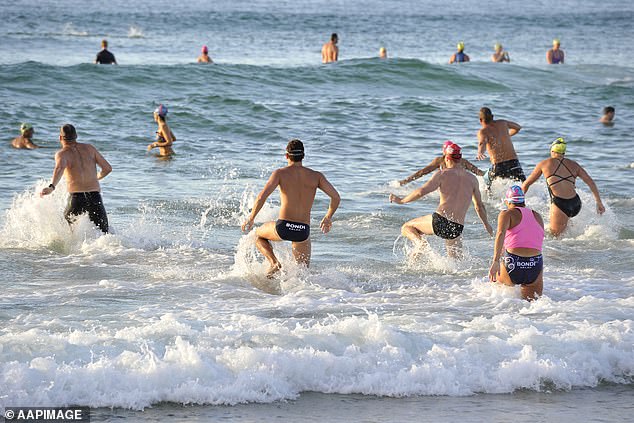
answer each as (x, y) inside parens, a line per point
(298, 186)
(164, 135)
(457, 187)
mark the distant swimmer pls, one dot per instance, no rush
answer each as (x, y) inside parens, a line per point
(520, 235)
(439, 163)
(608, 116)
(204, 56)
(330, 51)
(500, 55)
(78, 163)
(457, 188)
(560, 174)
(104, 57)
(382, 53)
(459, 56)
(164, 135)
(298, 186)
(25, 140)
(495, 137)
(555, 55)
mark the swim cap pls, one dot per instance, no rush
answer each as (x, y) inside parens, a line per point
(452, 151)
(558, 146)
(25, 127)
(556, 41)
(446, 144)
(497, 46)
(460, 46)
(515, 195)
(204, 49)
(161, 110)
(382, 50)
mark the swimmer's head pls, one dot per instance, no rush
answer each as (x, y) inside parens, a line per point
(608, 109)
(104, 43)
(204, 50)
(68, 133)
(334, 37)
(514, 195)
(486, 115)
(446, 144)
(497, 46)
(452, 151)
(161, 111)
(295, 150)
(558, 146)
(460, 46)
(556, 42)
(382, 53)
(25, 127)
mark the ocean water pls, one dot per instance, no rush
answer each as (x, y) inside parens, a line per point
(170, 315)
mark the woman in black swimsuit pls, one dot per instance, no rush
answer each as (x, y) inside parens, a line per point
(561, 174)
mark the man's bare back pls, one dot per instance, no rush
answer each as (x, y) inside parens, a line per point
(330, 51)
(298, 186)
(496, 137)
(456, 188)
(23, 142)
(80, 169)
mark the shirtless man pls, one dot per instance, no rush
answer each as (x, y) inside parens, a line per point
(77, 162)
(555, 55)
(25, 138)
(457, 187)
(495, 137)
(560, 174)
(298, 186)
(500, 55)
(330, 51)
(439, 163)
(608, 116)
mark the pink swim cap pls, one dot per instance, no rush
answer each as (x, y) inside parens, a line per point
(204, 49)
(515, 195)
(452, 151)
(446, 144)
(161, 110)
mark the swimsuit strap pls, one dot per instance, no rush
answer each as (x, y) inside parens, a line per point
(570, 178)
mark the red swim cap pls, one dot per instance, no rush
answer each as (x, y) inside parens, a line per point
(452, 151)
(204, 49)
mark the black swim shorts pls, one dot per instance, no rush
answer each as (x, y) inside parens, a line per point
(510, 169)
(87, 202)
(445, 228)
(292, 231)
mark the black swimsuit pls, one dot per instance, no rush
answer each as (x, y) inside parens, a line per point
(87, 202)
(570, 206)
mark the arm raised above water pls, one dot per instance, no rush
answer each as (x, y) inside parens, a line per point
(269, 187)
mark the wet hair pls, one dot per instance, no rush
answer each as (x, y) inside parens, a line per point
(334, 36)
(104, 43)
(68, 132)
(295, 150)
(486, 115)
(608, 109)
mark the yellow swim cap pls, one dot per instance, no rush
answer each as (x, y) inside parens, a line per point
(25, 127)
(460, 46)
(556, 41)
(382, 50)
(497, 46)
(558, 146)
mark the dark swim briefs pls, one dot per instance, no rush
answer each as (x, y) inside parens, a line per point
(445, 228)
(523, 270)
(87, 202)
(570, 206)
(511, 169)
(292, 231)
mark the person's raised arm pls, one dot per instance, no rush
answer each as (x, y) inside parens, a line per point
(482, 145)
(504, 221)
(430, 186)
(533, 177)
(335, 199)
(471, 167)
(58, 172)
(514, 127)
(435, 164)
(103, 165)
(478, 205)
(585, 177)
(271, 184)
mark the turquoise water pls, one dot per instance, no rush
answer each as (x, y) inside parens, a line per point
(164, 311)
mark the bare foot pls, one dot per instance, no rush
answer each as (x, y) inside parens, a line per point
(273, 270)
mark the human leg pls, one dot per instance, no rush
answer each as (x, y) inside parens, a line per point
(558, 220)
(454, 247)
(301, 252)
(532, 291)
(265, 234)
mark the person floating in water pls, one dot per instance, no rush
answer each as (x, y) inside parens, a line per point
(25, 140)
(439, 163)
(164, 135)
(298, 186)
(500, 55)
(78, 163)
(520, 234)
(204, 56)
(555, 55)
(457, 189)
(608, 116)
(382, 53)
(560, 174)
(105, 57)
(495, 137)
(459, 56)
(330, 51)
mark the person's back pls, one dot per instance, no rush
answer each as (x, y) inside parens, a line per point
(456, 191)
(330, 51)
(560, 174)
(104, 57)
(81, 167)
(298, 186)
(499, 144)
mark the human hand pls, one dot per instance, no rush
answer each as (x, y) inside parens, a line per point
(395, 199)
(46, 191)
(247, 225)
(150, 147)
(403, 182)
(326, 224)
(494, 271)
(481, 156)
(600, 208)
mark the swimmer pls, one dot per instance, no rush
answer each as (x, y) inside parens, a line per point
(25, 140)
(500, 55)
(457, 188)
(204, 56)
(439, 163)
(459, 56)
(555, 55)
(78, 163)
(608, 116)
(382, 53)
(520, 234)
(298, 186)
(495, 137)
(104, 57)
(164, 135)
(560, 174)
(330, 51)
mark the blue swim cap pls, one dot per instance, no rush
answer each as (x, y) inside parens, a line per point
(161, 110)
(515, 195)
